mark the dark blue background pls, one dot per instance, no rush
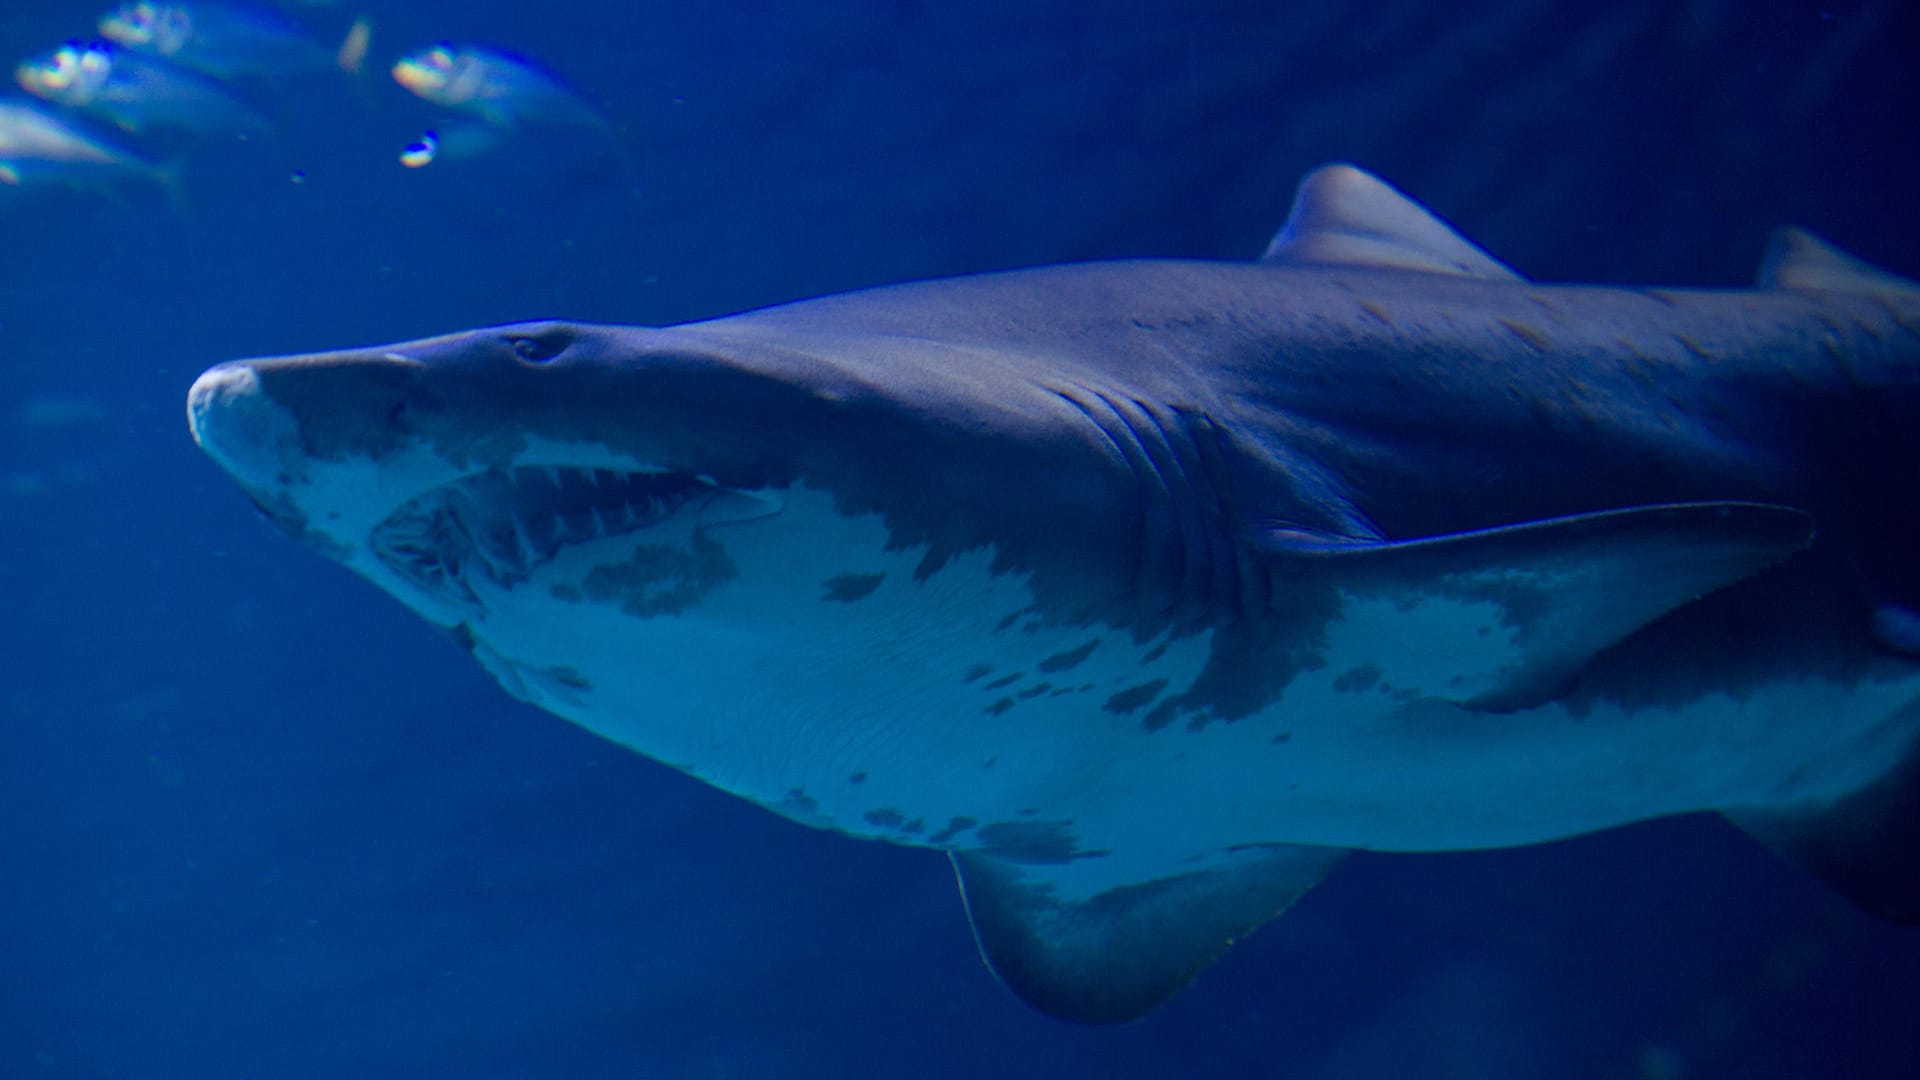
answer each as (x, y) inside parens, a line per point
(256, 821)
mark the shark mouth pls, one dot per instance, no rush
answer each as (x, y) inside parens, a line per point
(506, 523)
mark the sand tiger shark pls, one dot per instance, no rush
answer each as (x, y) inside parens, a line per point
(1146, 590)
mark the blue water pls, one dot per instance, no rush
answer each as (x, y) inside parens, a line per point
(256, 821)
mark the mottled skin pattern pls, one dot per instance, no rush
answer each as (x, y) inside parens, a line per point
(1148, 588)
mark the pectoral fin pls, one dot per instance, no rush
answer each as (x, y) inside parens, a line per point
(1113, 951)
(1500, 619)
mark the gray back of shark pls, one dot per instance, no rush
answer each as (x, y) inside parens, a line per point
(1149, 589)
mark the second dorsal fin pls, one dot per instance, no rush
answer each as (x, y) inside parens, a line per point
(1346, 216)
(1797, 259)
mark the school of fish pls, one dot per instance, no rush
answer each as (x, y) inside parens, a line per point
(158, 85)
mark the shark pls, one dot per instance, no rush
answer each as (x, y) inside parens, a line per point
(1147, 590)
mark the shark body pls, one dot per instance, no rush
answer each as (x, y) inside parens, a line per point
(1148, 589)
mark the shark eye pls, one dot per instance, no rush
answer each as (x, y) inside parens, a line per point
(537, 350)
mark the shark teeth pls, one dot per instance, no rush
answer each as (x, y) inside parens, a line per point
(507, 522)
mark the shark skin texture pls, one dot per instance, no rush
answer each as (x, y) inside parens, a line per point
(1146, 590)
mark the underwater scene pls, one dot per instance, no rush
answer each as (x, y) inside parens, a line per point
(1292, 515)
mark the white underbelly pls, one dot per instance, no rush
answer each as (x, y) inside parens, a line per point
(929, 711)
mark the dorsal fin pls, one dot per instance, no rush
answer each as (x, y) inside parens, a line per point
(1797, 259)
(1346, 216)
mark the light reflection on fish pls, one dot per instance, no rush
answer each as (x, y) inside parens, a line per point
(495, 86)
(225, 41)
(137, 93)
(452, 142)
(39, 148)
(421, 151)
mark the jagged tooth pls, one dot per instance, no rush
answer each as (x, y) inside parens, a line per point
(497, 567)
(570, 528)
(522, 482)
(525, 539)
(621, 519)
(491, 545)
(516, 553)
(540, 548)
(624, 523)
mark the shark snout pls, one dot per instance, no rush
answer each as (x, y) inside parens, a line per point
(266, 419)
(320, 443)
(234, 421)
(215, 389)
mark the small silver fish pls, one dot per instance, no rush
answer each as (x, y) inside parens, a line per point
(497, 87)
(39, 148)
(225, 41)
(137, 93)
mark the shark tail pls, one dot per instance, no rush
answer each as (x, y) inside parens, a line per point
(1864, 846)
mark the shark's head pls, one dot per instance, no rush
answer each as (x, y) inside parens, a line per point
(583, 504)
(450, 469)
(448, 465)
